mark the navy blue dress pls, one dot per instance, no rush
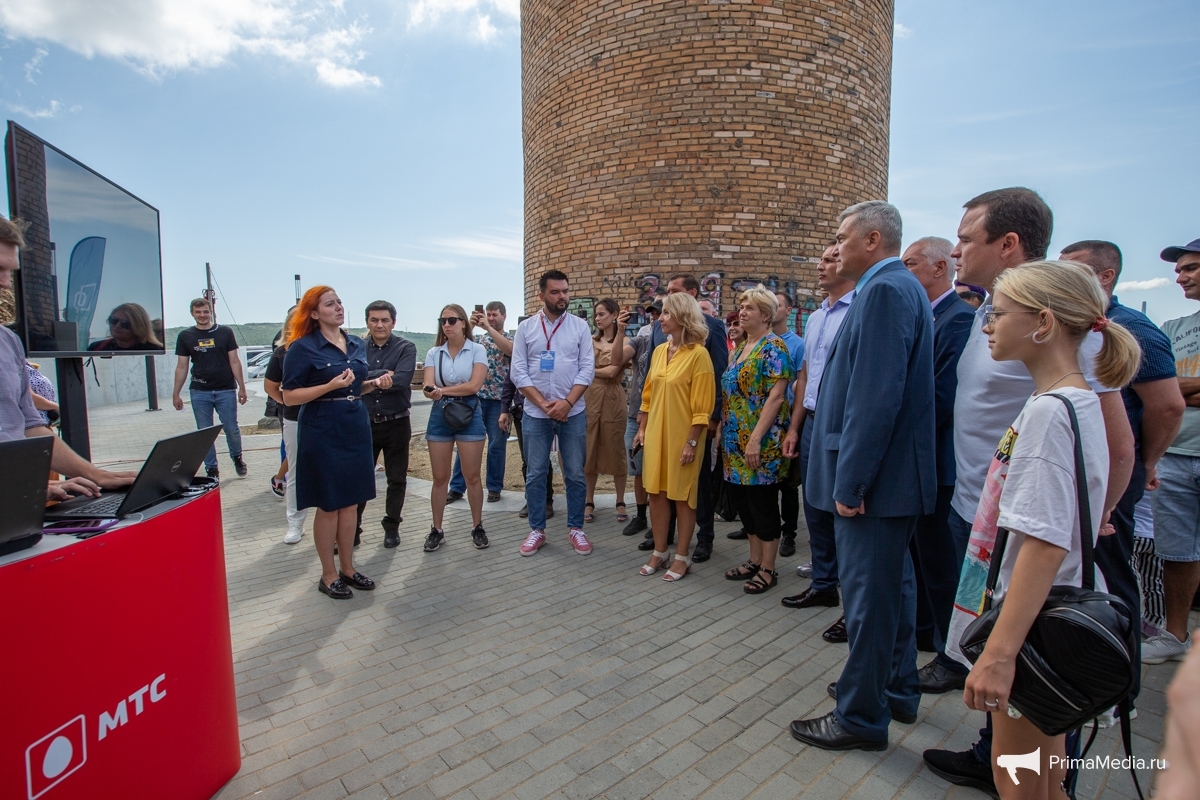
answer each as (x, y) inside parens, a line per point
(334, 465)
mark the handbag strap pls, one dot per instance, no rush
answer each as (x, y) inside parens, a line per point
(440, 370)
(1085, 518)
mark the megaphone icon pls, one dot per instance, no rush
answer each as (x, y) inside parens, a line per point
(1031, 761)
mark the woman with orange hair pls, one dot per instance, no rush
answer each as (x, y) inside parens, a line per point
(323, 373)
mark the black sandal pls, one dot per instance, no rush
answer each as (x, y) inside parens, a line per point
(337, 590)
(747, 569)
(587, 515)
(757, 585)
(358, 581)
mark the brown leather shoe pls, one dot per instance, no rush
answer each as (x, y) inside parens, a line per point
(836, 632)
(810, 597)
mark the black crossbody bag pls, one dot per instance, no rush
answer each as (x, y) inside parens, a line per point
(1079, 658)
(456, 411)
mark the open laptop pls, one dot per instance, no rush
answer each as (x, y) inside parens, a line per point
(168, 471)
(24, 475)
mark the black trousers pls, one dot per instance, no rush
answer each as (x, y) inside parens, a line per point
(391, 438)
(937, 568)
(1114, 555)
(706, 495)
(517, 415)
(789, 508)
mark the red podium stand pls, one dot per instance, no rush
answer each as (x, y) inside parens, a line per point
(117, 667)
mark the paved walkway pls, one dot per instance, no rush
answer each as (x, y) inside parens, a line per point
(481, 674)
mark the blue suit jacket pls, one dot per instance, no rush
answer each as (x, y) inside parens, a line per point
(873, 440)
(952, 321)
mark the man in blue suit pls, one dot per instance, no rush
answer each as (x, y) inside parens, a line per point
(872, 462)
(937, 555)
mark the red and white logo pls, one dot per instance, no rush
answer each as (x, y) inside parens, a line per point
(55, 756)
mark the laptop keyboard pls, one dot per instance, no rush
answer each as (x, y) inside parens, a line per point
(104, 507)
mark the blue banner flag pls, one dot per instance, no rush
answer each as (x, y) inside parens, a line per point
(83, 286)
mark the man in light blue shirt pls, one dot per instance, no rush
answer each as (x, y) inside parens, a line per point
(552, 366)
(789, 496)
(821, 330)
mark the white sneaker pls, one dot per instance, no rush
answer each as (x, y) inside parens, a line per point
(1109, 718)
(1165, 647)
(293, 535)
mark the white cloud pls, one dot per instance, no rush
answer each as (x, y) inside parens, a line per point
(375, 262)
(502, 248)
(158, 37)
(31, 66)
(902, 31)
(477, 14)
(1143, 286)
(50, 111)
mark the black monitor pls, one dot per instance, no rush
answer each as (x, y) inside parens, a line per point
(90, 281)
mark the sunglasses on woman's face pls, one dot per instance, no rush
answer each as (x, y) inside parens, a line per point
(449, 320)
(116, 322)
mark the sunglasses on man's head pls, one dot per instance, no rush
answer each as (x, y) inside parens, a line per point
(450, 320)
(120, 323)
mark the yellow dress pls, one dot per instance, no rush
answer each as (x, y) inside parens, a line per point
(676, 396)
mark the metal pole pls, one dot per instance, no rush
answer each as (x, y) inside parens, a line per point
(151, 384)
(1143, 306)
(212, 298)
(297, 290)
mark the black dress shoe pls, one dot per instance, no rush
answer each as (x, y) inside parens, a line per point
(787, 546)
(961, 769)
(899, 716)
(337, 590)
(524, 512)
(239, 466)
(702, 553)
(740, 533)
(936, 679)
(836, 633)
(493, 497)
(358, 581)
(453, 497)
(646, 544)
(635, 525)
(391, 538)
(828, 734)
(813, 597)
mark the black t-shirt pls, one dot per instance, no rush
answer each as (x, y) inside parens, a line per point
(274, 372)
(209, 351)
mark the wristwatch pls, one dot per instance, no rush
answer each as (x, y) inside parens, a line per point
(692, 443)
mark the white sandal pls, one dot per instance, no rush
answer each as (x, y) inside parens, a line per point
(649, 570)
(687, 566)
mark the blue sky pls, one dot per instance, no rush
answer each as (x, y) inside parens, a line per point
(376, 146)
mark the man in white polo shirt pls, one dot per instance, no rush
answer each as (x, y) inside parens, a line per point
(999, 230)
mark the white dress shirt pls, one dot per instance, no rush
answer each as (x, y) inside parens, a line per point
(574, 362)
(820, 331)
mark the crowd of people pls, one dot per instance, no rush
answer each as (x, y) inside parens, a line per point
(946, 402)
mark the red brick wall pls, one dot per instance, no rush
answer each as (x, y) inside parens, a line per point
(720, 138)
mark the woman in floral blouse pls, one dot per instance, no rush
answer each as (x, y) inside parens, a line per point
(754, 420)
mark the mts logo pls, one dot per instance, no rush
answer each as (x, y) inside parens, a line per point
(49, 760)
(110, 722)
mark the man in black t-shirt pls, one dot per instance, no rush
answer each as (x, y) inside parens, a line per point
(217, 381)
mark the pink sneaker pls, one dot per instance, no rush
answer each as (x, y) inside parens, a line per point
(580, 542)
(536, 540)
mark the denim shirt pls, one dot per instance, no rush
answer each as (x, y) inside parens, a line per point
(313, 360)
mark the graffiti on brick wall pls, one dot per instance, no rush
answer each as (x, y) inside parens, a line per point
(801, 308)
(584, 308)
(710, 290)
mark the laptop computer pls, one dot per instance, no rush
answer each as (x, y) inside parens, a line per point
(168, 471)
(24, 475)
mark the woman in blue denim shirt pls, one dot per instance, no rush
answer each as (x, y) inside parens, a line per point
(323, 373)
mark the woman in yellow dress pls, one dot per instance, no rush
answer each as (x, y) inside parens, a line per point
(677, 401)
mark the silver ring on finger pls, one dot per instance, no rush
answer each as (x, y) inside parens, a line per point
(992, 704)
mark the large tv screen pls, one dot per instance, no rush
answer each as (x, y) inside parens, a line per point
(90, 281)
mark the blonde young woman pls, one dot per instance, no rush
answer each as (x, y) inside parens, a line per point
(677, 401)
(606, 401)
(1040, 314)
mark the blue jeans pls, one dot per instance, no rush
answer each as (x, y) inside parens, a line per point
(497, 442)
(539, 433)
(224, 402)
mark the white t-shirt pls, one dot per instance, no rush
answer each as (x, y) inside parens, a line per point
(1030, 490)
(990, 395)
(449, 371)
(1143, 517)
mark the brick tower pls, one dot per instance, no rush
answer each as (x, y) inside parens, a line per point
(720, 138)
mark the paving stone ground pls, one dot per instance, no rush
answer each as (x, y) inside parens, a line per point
(482, 674)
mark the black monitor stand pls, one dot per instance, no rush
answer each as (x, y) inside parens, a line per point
(72, 406)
